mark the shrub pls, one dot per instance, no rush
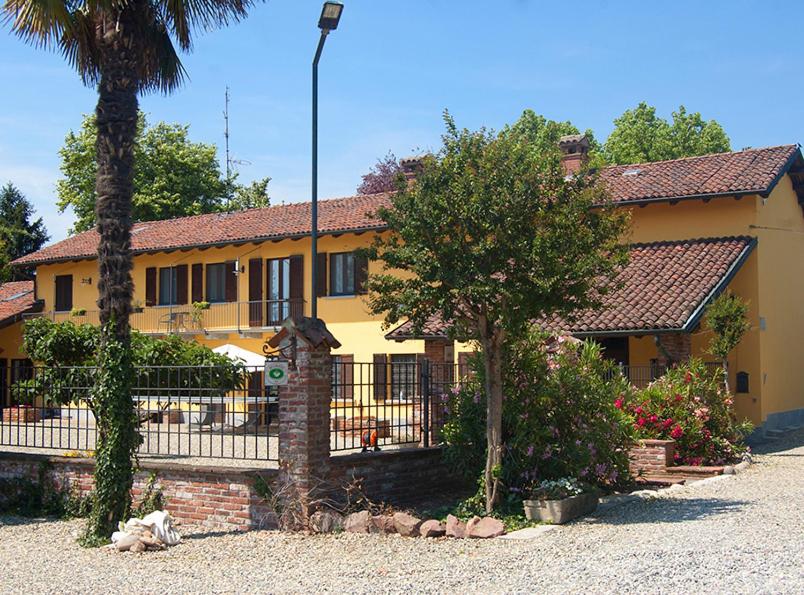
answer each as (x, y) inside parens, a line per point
(559, 417)
(690, 406)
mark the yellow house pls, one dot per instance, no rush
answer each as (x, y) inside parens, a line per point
(700, 225)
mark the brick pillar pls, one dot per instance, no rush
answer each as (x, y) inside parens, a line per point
(441, 355)
(673, 348)
(439, 351)
(304, 416)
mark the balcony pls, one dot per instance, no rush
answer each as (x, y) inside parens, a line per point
(187, 319)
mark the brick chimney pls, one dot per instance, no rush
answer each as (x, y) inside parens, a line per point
(412, 167)
(574, 152)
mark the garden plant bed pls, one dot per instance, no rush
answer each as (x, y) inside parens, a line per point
(23, 415)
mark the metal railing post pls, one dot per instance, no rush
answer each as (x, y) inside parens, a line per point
(424, 371)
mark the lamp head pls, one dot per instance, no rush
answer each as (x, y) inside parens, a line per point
(330, 15)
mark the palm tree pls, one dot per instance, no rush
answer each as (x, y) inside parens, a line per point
(125, 47)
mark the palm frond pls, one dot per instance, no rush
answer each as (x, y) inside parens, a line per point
(80, 47)
(40, 22)
(160, 66)
(181, 16)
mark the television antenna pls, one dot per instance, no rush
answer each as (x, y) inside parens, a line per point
(231, 162)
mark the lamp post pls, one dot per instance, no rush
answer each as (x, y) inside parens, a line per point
(328, 21)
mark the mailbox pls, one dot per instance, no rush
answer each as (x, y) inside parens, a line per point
(742, 382)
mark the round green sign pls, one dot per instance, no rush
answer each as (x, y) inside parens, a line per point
(276, 373)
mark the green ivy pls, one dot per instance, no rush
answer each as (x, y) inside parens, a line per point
(117, 442)
(152, 498)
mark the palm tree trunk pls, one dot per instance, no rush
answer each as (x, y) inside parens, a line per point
(116, 115)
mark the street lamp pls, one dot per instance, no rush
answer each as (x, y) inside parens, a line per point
(328, 21)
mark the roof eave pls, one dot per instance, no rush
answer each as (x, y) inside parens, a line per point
(255, 240)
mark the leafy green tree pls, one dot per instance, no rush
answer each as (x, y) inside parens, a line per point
(252, 196)
(640, 135)
(727, 318)
(19, 235)
(124, 49)
(173, 176)
(491, 236)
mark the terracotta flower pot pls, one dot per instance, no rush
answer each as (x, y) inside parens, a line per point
(558, 512)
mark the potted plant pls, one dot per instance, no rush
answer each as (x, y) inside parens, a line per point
(560, 501)
(76, 312)
(197, 314)
(136, 306)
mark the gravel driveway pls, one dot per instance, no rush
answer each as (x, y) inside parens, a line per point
(739, 534)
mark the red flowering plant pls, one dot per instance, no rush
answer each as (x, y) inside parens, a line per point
(689, 405)
(559, 418)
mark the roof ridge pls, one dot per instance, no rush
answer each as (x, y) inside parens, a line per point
(707, 155)
(704, 240)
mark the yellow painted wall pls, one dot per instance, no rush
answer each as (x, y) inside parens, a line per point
(690, 219)
(780, 229)
(11, 342)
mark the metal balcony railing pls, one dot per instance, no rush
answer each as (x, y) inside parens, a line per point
(194, 319)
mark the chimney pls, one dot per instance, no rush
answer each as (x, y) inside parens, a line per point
(412, 166)
(574, 152)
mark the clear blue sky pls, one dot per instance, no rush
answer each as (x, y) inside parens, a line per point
(392, 67)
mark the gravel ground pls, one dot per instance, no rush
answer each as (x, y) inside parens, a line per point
(738, 534)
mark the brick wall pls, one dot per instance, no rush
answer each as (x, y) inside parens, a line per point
(678, 346)
(399, 477)
(651, 456)
(221, 498)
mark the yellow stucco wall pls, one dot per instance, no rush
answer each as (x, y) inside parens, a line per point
(780, 229)
(11, 342)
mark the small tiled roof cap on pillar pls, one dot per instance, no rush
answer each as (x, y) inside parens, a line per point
(754, 171)
(312, 330)
(664, 288)
(16, 299)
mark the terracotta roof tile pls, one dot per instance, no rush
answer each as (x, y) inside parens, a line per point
(334, 215)
(661, 288)
(750, 171)
(16, 298)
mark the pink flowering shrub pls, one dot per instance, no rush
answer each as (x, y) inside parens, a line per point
(559, 417)
(690, 406)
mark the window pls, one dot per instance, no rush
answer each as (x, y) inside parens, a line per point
(278, 290)
(403, 376)
(64, 293)
(168, 283)
(216, 282)
(343, 377)
(347, 273)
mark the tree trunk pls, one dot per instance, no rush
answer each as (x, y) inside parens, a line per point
(116, 115)
(492, 355)
(726, 375)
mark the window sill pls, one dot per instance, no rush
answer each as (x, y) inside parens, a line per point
(338, 297)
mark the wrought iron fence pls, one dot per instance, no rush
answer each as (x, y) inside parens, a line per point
(390, 403)
(641, 376)
(182, 411)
